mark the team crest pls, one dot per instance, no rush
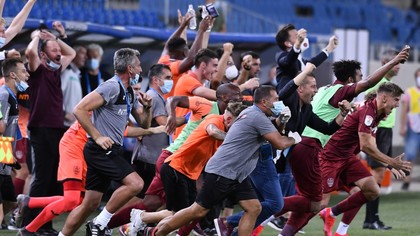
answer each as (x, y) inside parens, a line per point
(368, 120)
(330, 182)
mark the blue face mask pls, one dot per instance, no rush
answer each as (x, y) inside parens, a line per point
(2, 41)
(92, 64)
(52, 65)
(167, 86)
(22, 86)
(277, 108)
(135, 80)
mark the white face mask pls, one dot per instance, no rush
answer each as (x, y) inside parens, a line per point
(231, 72)
(305, 45)
(418, 81)
(52, 65)
(2, 41)
(22, 86)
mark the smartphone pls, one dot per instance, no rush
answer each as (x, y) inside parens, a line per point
(406, 46)
(212, 10)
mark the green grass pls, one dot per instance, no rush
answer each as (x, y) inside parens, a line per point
(400, 210)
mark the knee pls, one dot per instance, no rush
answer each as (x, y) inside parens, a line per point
(90, 206)
(316, 207)
(275, 207)
(136, 184)
(371, 193)
(254, 209)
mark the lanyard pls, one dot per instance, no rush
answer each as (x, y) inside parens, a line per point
(18, 133)
(126, 95)
(88, 87)
(163, 100)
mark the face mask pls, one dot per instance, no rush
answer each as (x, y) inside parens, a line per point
(305, 45)
(167, 86)
(277, 108)
(231, 72)
(418, 81)
(135, 80)
(52, 65)
(21, 86)
(2, 41)
(93, 64)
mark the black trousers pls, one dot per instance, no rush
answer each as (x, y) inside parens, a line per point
(45, 160)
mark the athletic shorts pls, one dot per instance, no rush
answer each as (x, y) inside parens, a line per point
(306, 170)
(104, 166)
(72, 165)
(156, 186)
(21, 150)
(384, 144)
(7, 189)
(216, 188)
(347, 170)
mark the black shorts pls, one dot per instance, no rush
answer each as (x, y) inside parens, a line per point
(104, 166)
(7, 189)
(384, 144)
(216, 188)
(180, 191)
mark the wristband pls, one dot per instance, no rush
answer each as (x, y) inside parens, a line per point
(343, 114)
(147, 107)
(248, 68)
(5, 53)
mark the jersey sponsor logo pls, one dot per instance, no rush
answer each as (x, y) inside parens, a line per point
(122, 112)
(330, 182)
(23, 96)
(368, 120)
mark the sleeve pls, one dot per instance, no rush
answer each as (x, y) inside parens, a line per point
(5, 106)
(347, 92)
(2, 56)
(286, 91)
(318, 59)
(263, 125)
(366, 119)
(321, 125)
(287, 59)
(158, 107)
(109, 90)
(200, 107)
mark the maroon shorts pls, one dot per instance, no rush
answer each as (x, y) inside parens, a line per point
(21, 150)
(156, 186)
(346, 170)
(306, 170)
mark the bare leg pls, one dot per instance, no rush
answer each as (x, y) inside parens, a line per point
(252, 209)
(78, 216)
(182, 217)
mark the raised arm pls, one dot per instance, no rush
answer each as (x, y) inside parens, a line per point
(222, 65)
(183, 23)
(376, 76)
(188, 61)
(17, 24)
(404, 109)
(32, 54)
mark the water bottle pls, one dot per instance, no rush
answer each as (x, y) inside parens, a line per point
(193, 21)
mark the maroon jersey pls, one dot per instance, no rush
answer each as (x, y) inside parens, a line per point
(345, 142)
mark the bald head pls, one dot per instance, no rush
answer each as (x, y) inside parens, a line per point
(228, 92)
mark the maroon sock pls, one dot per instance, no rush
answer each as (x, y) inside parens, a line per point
(304, 219)
(349, 215)
(355, 200)
(288, 230)
(19, 185)
(123, 216)
(186, 230)
(296, 203)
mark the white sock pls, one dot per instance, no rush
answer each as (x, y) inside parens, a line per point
(60, 234)
(103, 218)
(268, 220)
(342, 228)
